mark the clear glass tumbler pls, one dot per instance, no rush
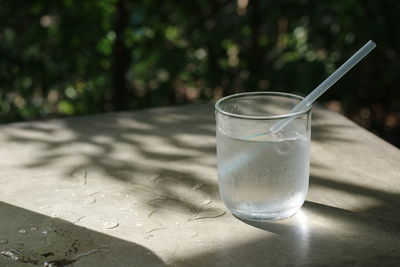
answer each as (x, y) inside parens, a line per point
(262, 176)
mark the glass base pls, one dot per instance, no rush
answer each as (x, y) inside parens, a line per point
(274, 216)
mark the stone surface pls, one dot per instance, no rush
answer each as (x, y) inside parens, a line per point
(154, 172)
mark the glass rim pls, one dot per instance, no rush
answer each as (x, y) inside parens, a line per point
(271, 117)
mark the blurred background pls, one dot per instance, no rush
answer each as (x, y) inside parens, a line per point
(64, 58)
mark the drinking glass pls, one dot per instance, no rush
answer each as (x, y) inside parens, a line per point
(262, 175)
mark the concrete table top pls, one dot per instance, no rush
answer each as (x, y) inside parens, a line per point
(140, 189)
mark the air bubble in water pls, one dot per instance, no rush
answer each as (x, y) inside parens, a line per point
(284, 147)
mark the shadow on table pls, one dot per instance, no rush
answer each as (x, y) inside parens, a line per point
(295, 227)
(28, 238)
(132, 148)
(325, 127)
(318, 235)
(386, 208)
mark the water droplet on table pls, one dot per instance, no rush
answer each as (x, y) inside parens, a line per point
(92, 192)
(17, 250)
(153, 180)
(148, 237)
(90, 200)
(193, 235)
(110, 224)
(79, 219)
(153, 225)
(151, 213)
(206, 202)
(154, 229)
(82, 174)
(207, 215)
(9, 254)
(197, 186)
(152, 202)
(22, 231)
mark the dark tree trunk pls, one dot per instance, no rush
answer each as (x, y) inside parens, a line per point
(256, 57)
(121, 59)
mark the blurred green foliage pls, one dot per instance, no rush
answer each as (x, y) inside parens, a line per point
(79, 57)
